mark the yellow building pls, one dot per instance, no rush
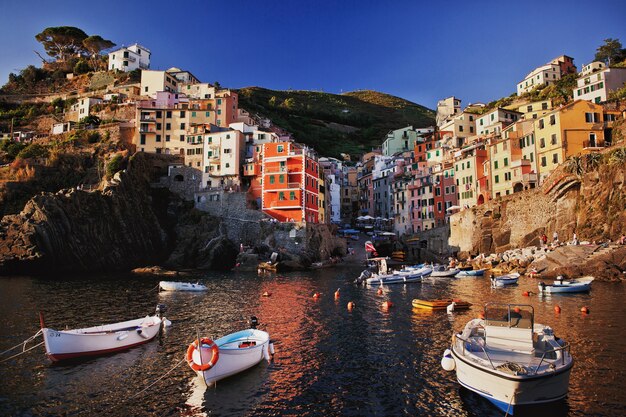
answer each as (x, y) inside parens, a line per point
(535, 109)
(579, 127)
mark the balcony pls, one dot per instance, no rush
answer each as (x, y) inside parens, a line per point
(593, 144)
(148, 119)
(146, 129)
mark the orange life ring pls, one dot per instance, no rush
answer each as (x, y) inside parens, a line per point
(215, 354)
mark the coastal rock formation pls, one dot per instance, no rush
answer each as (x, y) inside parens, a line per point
(114, 228)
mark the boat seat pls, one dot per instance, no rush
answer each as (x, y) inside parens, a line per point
(510, 338)
(246, 344)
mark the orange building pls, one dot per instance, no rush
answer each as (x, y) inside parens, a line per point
(289, 182)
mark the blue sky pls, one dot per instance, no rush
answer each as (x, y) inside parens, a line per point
(421, 51)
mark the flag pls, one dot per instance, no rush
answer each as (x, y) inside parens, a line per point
(369, 247)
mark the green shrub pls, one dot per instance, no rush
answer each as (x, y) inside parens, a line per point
(114, 165)
(32, 151)
(93, 137)
(81, 67)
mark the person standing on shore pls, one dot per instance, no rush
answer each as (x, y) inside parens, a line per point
(555, 237)
(544, 240)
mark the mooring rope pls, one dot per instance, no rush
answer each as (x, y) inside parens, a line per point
(23, 344)
(157, 380)
(21, 353)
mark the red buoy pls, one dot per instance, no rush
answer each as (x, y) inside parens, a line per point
(350, 305)
(337, 294)
(380, 291)
(316, 296)
(557, 309)
(387, 305)
(585, 310)
(267, 294)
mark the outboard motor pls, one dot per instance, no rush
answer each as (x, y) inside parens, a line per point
(254, 322)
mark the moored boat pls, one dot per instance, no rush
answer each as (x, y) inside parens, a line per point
(100, 340)
(509, 359)
(229, 355)
(403, 276)
(471, 273)
(504, 280)
(441, 304)
(181, 286)
(567, 286)
(443, 271)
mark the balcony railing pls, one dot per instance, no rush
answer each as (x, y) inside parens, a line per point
(149, 119)
(593, 144)
(146, 130)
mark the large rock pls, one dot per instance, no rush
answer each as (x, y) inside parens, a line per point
(112, 229)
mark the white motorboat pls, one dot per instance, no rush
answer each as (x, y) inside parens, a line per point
(509, 359)
(443, 271)
(100, 340)
(181, 286)
(403, 276)
(471, 273)
(229, 355)
(504, 280)
(566, 286)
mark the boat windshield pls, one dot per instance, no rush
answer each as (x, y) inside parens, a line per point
(509, 315)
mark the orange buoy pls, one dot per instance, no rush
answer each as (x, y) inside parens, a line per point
(387, 305)
(337, 294)
(585, 310)
(316, 295)
(527, 293)
(481, 315)
(350, 305)
(380, 291)
(557, 309)
(267, 294)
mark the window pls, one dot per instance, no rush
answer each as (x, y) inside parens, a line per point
(506, 162)
(529, 108)
(158, 114)
(591, 117)
(182, 138)
(158, 138)
(193, 114)
(460, 128)
(168, 126)
(555, 158)
(553, 139)
(495, 164)
(471, 129)
(168, 114)
(541, 124)
(158, 126)
(281, 196)
(497, 179)
(271, 179)
(167, 138)
(182, 126)
(543, 161)
(219, 111)
(281, 179)
(552, 119)
(542, 143)
(182, 113)
(280, 148)
(142, 139)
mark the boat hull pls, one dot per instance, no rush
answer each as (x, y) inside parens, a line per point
(440, 304)
(99, 340)
(400, 278)
(181, 286)
(474, 273)
(233, 359)
(506, 392)
(446, 273)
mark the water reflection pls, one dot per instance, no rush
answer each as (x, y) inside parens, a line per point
(329, 361)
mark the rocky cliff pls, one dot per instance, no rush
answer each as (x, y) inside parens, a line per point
(112, 228)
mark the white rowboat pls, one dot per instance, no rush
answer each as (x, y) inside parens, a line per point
(504, 280)
(444, 271)
(99, 340)
(181, 286)
(229, 355)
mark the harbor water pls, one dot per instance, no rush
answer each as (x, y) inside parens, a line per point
(329, 361)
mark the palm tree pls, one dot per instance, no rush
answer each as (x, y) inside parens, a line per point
(574, 165)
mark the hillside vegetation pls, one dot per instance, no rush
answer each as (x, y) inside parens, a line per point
(351, 123)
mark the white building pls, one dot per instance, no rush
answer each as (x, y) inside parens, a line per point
(222, 157)
(153, 81)
(495, 121)
(184, 77)
(83, 106)
(544, 75)
(129, 58)
(596, 86)
(460, 127)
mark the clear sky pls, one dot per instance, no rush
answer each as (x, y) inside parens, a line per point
(421, 51)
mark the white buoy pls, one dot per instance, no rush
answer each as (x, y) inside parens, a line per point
(166, 322)
(447, 362)
(450, 308)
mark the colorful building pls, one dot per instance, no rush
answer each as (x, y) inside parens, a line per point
(597, 82)
(290, 181)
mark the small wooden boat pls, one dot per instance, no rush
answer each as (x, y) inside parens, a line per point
(229, 355)
(471, 273)
(181, 286)
(509, 359)
(504, 280)
(567, 286)
(403, 276)
(268, 267)
(441, 304)
(100, 340)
